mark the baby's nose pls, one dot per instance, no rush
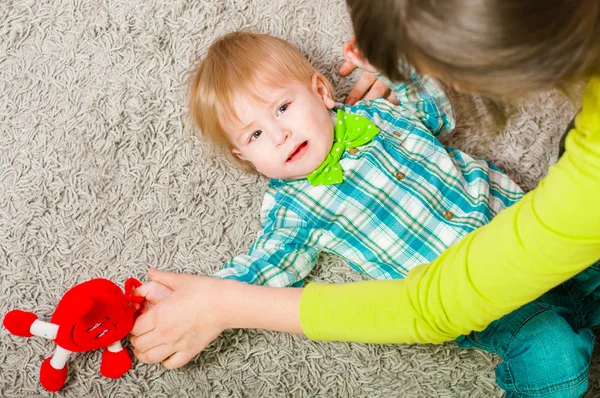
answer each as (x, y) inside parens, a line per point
(282, 136)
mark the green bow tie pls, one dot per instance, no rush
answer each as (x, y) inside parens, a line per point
(350, 131)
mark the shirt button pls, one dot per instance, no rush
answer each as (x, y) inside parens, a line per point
(400, 176)
(449, 215)
(397, 133)
(353, 151)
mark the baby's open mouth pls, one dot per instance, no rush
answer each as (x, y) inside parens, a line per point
(300, 149)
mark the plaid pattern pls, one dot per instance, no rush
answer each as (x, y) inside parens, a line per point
(405, 198)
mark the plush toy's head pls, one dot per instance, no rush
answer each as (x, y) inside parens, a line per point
(95, 314)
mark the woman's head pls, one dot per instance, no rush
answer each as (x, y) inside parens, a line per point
(499, 48)
(260, 98)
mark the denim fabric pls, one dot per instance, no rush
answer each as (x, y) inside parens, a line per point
(546, 345)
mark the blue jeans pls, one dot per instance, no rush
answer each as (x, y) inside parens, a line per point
(546, 345)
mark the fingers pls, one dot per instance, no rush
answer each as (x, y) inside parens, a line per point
(144, 323)
(178, 359)
(360, 89)
(393, 99)
(346, 68)
(378, 90)
(147, 352)
(169, 279)
(351, 48)
(145, 307)
(146, 341)
(153, 291)
(354, 57)
(350, 52)
(155, 354)
(144, 290)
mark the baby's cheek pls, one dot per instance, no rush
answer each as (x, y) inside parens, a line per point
(270, 167)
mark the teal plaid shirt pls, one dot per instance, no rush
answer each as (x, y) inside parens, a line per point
(405, 198)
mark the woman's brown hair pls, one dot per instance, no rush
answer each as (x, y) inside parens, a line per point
(498, 48)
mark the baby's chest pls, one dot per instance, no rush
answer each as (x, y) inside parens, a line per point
(401, 161)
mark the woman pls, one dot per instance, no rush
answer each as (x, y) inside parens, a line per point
(501, 48)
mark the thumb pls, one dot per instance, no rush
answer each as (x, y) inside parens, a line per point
(169, 279)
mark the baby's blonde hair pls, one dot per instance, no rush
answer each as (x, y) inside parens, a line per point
(234, 67)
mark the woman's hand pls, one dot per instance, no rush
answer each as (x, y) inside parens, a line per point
(368, 85)
(187, 312)
(178, 324)
(153, 292)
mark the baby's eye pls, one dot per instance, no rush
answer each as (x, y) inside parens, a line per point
(255, 135)
(282, 108)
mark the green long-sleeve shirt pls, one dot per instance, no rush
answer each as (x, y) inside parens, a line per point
(552, 234)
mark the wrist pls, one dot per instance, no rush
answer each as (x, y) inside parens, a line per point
(245, 306)
(230, 299)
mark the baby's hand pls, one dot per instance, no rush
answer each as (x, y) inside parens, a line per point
(153, 292)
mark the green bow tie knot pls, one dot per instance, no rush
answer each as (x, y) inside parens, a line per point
(350, 131)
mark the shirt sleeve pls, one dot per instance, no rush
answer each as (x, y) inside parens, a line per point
(424, 98)
(552, 234)
(281, 255)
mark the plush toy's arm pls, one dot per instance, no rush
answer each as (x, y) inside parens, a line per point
(44, 329)
(26, 324)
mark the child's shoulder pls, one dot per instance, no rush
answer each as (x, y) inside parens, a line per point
(296, 194)
(386, 116)
(367, 106)
(280, 193)
(376, 110)
(291, 202)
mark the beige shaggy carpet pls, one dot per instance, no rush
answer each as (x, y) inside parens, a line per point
(99, 178)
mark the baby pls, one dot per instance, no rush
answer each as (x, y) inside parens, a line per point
(369, 182)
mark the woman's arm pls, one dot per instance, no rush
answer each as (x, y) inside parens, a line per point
(552, 234)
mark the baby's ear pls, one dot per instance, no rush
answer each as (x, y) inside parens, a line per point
(236, 152)
(324, 89)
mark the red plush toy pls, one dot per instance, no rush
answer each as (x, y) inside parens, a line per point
(92, 315)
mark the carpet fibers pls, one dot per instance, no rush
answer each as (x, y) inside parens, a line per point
(99, 177)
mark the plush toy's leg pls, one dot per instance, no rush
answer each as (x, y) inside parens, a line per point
(53, 373)
(115, 361)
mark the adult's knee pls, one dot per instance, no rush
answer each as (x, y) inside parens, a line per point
(546, 358)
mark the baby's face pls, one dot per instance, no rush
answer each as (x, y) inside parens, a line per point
(290, 136)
